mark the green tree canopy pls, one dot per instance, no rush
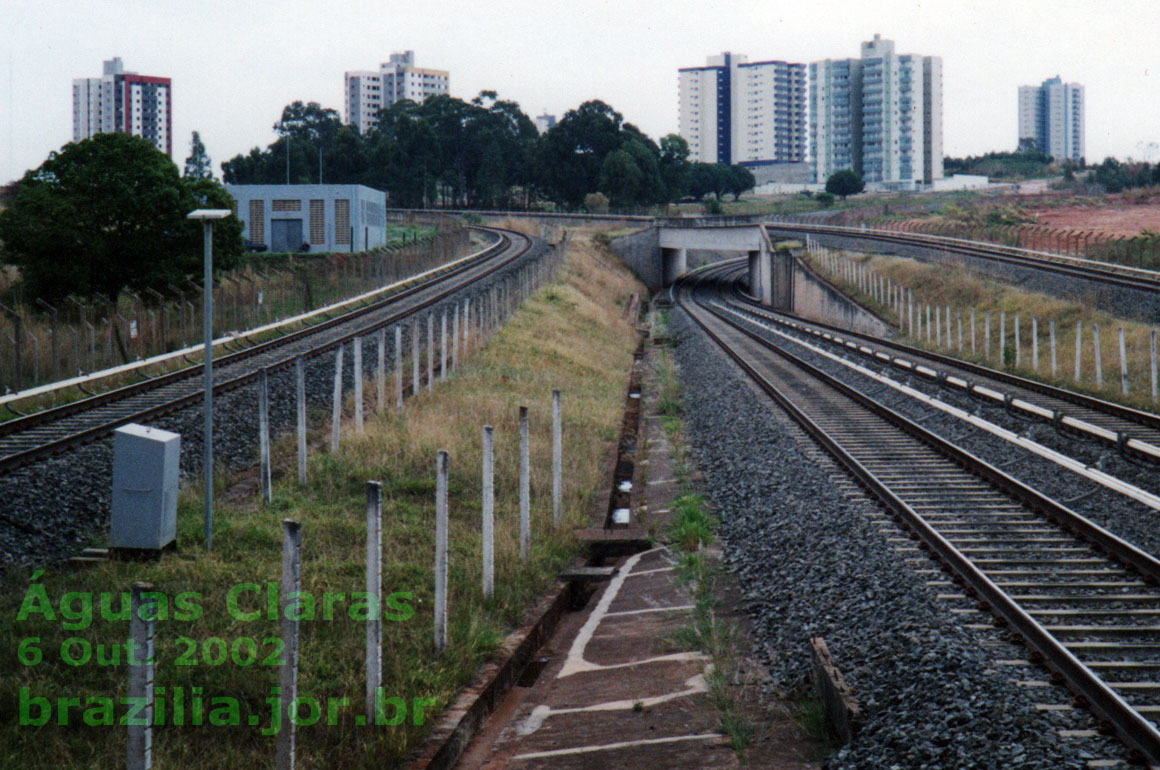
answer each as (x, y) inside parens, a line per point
(845, 182)
(739, 180)
(198, 165)
(109, 213)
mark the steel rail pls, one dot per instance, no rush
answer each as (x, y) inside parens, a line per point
(1126, 413)
(1108, 273)
(1140, 734)
(85, 435)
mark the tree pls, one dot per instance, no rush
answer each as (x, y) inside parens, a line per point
(1112, 175)
(845, 182)
(109, 213)
(574, 150)
(739, 180)
(197, 165)
(674, 166)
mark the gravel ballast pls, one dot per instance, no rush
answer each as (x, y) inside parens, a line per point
(1128, 518)
(52, 509)
(812, 564)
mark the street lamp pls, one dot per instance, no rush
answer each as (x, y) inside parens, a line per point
(207, 217)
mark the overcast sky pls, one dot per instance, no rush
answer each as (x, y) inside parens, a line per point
(236, 63)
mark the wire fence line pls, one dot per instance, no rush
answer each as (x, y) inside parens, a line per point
(42, 343)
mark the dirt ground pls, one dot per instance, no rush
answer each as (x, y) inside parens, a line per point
(1124, 219)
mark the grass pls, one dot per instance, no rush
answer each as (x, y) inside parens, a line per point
(569, 334)
(940, 285)
(691, 531)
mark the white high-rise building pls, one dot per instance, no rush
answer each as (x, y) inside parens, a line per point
(736, 111)
(880, 115)
(544, 122)
(124, 102)
(366, 92)
(1053, 115)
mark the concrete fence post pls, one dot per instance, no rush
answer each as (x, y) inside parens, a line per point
(358, 385)
(488, 509)
(440, 604)
(443, 346)
(430, 351)
(1034, 344)
(557, 458)
(1078, 349)
(264, 433)
(336, 409)
(374, 642)
(381, 384)
(455, 338)
(1054, 361)
(938, 325)
(910, 312)
(415, 332)
(300, 387)
(1003, 338)
(525, 487)
(288, 673)
(987, 336)
(1099, 362)
(139, 657)
(466, 327)
(1123, 363)
(399, 368)
(928, 338)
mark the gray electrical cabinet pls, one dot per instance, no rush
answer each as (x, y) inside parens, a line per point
(145, 479)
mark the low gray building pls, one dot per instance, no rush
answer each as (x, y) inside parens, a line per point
(325, 217)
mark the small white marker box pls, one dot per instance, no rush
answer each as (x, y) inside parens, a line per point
(145, 480)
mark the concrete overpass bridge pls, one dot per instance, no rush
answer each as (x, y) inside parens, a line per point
(666, 246)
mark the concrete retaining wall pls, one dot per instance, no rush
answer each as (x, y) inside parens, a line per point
(1121, 301)
(641, 252)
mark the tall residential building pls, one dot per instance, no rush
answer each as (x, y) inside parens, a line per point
(366, 92)
(1052, 115)
(880, 115)
(736, 111)
(124, 102)
(545, 122)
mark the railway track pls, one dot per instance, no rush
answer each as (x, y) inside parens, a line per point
(1131, 430)
(36, 436)
(1106, 273)
(1084, 602)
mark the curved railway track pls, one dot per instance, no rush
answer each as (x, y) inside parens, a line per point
(26, 439)
(1083, 601)
(1132, 430)
(1072, 267)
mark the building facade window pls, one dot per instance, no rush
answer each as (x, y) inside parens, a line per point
(317, 222)
(342, 221)
(258, 221)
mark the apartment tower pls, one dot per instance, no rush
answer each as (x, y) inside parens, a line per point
(880, 115)
(367, 91)
(124, 102)
(1052, 115)
(734, 111)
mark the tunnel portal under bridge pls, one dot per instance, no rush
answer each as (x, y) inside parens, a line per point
(770, 270)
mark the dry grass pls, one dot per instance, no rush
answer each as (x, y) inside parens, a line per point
(570, 336)
(942, 285)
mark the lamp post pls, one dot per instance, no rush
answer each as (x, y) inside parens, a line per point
(207, 217)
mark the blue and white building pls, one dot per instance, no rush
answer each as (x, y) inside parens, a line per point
(328, 217)
(734, 111)
(1052, 115)
(880, 115)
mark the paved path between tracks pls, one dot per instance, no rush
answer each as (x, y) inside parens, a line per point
(615, 690)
